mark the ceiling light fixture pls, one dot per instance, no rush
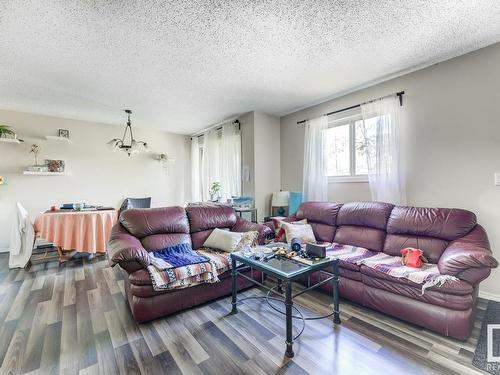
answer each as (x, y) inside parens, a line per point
(134, 147)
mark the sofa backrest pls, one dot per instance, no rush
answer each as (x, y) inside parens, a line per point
(363, 224)
(384, 227)
(157, 228)
(204, 219)
(322, 216)
(433, 227)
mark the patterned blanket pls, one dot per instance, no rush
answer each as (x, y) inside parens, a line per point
(428, 275)
(192, 274)
(347, 253)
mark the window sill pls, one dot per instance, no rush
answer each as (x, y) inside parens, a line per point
(342, 179)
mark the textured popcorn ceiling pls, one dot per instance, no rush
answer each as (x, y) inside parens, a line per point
(182, 65)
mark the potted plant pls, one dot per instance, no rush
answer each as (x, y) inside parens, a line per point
(215, 191)
(6, 132)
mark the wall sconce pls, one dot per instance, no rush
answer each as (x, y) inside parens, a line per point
(164, 160)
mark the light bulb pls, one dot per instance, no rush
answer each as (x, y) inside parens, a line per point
(112, 145)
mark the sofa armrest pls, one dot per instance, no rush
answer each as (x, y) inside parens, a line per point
(126, 250)
(243, 225)
(468, 257)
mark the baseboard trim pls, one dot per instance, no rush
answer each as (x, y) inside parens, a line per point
(490, 296)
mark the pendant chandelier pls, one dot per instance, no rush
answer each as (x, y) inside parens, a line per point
(133, 146)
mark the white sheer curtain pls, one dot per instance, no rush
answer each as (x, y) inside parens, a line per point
(210, 162)
(315, 181)
(230, 161)
(220, 162)
(385, 172)
(195, 170)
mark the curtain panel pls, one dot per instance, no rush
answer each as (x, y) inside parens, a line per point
(195, 170)
(385, 169)
(217, 159)
(315, 180)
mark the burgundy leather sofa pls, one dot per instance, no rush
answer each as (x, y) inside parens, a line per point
(450, 238)
(141, 230)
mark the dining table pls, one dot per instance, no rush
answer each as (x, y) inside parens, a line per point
(72, 231)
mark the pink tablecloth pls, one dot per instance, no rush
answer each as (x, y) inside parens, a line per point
(85, 231)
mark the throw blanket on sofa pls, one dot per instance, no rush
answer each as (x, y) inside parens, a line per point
(428, 275)
(347, 253)
(176, 256)
(191, 274)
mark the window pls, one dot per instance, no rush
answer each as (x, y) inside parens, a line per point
(348, 147)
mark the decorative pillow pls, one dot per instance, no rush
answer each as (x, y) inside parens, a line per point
(279, 220)
(303, 232)
(223, 240)
(248, 238)
(280, 232)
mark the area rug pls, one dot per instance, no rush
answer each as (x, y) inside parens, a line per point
(480, 360)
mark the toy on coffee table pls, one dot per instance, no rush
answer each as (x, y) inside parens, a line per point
(282, 253)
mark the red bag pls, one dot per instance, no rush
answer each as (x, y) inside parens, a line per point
(412, 257)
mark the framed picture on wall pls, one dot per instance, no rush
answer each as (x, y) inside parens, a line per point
(64, 133)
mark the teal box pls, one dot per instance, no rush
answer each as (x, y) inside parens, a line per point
(294, 200)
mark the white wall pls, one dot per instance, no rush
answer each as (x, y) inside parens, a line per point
(97, 176)
(452, 118)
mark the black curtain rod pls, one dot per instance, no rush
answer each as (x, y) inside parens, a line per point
(237, 122)
(399, 95)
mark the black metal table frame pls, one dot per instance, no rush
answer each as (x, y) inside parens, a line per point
(288, 296)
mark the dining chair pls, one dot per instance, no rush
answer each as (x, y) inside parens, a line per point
(22, 239)
(22, 249)
(135, 203)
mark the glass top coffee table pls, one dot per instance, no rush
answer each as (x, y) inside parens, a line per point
(287, 271)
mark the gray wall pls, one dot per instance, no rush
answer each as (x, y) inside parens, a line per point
(267, 161)
(451, 142)
(260, 152)
(248, 152)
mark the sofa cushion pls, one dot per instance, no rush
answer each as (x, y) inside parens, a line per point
(456, 297)
(449, 287)
(323, 232)
(432, 247)
(346, 269)
(318, 212)
(147, 291)
(142, 222)
(348, 255)
(161, 241)
(444, 223)
(209, 217)
(369, 238)
(365, 214)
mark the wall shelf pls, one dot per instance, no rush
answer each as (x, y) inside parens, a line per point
(10, 140)
(57, 138)
(33, 173)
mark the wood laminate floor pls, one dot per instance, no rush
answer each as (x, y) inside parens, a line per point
(73, 318)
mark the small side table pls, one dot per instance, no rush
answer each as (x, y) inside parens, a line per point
(253, 212)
